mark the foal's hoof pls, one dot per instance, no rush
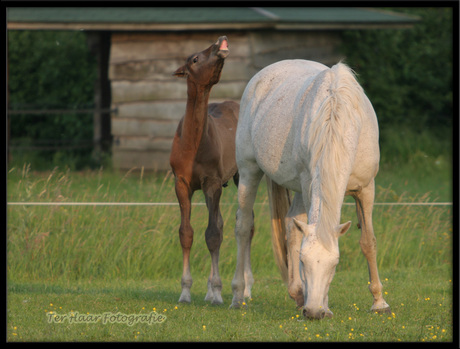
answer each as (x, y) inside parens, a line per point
(185, 298)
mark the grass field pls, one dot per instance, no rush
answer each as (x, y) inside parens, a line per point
(86, 260)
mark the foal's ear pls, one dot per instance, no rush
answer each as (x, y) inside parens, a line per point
(181, 72)
(341, 229)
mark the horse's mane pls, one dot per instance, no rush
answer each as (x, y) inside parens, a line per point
(330, 150)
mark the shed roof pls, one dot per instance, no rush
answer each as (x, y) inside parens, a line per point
(203, 18)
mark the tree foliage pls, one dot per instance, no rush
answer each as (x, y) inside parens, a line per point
(407, 73)
(51, 70)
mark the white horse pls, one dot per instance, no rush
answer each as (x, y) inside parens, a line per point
(309, 129)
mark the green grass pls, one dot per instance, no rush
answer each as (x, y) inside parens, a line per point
(417, 162)
(128, 259)
(419, 313)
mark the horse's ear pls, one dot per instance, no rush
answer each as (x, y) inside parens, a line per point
(303, 227)
(181, 72)
(342, 228)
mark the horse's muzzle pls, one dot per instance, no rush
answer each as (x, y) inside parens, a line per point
(314, 314)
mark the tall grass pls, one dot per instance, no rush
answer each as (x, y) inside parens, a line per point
(427, 149)
(407, 236)
(87, 242)
(419, 162)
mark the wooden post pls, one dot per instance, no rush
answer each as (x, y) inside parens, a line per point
(8, 135)
(99, 44)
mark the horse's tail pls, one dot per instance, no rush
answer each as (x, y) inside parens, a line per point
(280, 202)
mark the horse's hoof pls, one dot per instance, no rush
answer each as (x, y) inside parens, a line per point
(217, 299)
(217, 302)
(237, 305)
(385, 310)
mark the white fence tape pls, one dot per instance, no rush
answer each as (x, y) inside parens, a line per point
(201, 204)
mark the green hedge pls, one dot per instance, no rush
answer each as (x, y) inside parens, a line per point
(407, 73)
(51, 70)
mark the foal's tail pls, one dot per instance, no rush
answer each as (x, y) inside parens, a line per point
(280, 202)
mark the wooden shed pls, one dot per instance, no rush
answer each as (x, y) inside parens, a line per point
(140, 48)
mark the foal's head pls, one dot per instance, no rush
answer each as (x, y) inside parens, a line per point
(204, 68)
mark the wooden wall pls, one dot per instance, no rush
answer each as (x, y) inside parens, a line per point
(150, 101)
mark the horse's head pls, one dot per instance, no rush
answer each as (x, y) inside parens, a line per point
(317, 268)
(204, 68)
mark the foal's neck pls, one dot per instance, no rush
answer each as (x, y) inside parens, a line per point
(194, 127)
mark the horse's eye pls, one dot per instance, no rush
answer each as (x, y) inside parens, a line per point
(195, 59)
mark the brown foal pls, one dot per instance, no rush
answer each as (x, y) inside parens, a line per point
(203, 157)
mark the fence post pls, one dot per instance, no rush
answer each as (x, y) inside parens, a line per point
(99, 44)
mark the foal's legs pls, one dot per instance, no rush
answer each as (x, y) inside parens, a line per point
(364, 205)
(214, 234)
(250, 176)
(184, 196)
